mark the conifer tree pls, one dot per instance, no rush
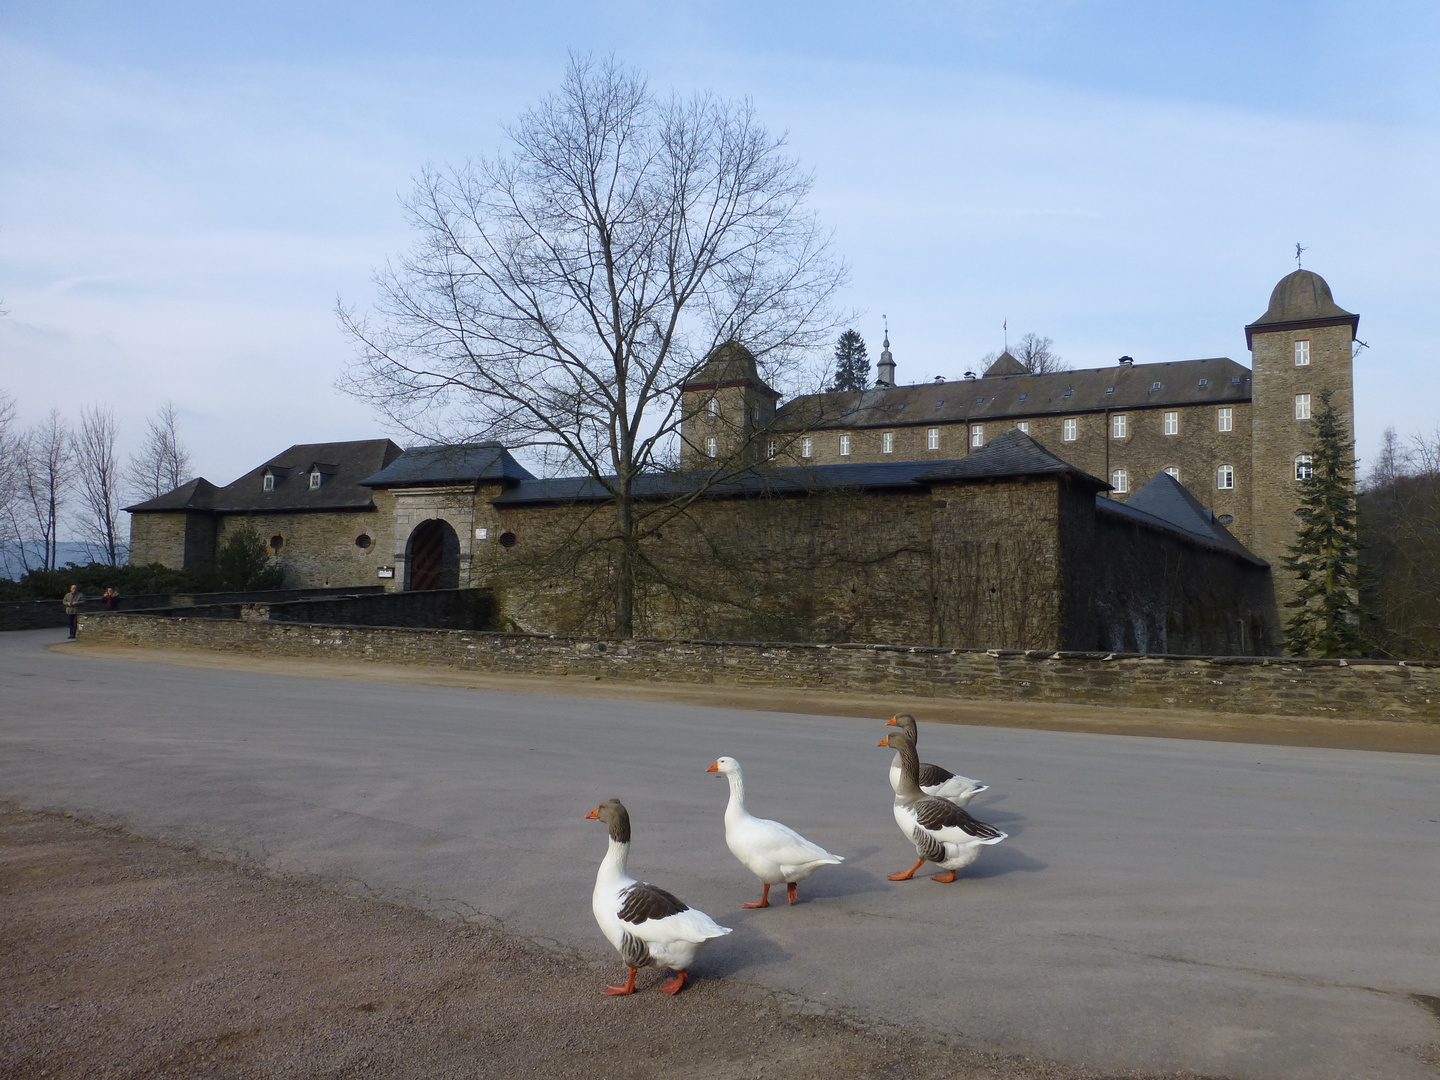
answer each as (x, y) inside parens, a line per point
(852, 363)
(1326, 553)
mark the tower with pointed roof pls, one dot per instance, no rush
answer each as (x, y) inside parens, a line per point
(727, 409)
(1303, 344)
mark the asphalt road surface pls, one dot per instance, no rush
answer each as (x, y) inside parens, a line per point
(1230, 910)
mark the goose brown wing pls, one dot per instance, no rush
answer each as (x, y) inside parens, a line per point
(933, 775)
(643, 901)
(934, 814)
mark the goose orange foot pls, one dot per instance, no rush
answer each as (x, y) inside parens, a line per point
(764, 900)
(628, 988)
(943, 877)
(908, 874)
(674, 985)
(792, 892)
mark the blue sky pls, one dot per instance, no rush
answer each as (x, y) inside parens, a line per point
(184, 190)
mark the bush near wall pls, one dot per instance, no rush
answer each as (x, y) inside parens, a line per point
(95, 578)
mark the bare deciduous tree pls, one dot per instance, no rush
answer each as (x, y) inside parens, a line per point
(47, 470)
(98, 473)
(561, 296)
(161, 464)
(11, 444)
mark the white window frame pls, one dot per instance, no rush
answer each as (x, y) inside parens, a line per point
(710, 446)
(1120, 482)
(1119, 425)
(1172, 423)
(1302, 406)
(1023, 425)
(805, 446)
(977, 434)
(713, 406)
(1305, 462)
(844, 445)
(1172, 472)
(1225, 478)
(932, 439)
(1225, 419)
(268, 484)
(887, 443)
(1302, 352)
(770, 449)
(1070, 429)
(315, 480)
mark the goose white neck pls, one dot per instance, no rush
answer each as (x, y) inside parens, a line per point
(737, 793)
(612, 867)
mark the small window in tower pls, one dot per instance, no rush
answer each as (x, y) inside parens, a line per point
(805, 445)
(1302, 353)
(710, 446)
(713, 406)
(770, 449)
(755, 413)
(977, 434)
(887, 443)
(1172, 423)
(1225, 419)
(1304, 467)
(1069, 429)
(315, 480)
(1302, 406)
(1120, 481)
(1172, 472)
(844, 445)
(269, 483)
(1023, 425)
(932, 439)
(1225, 477)
(1119, 425)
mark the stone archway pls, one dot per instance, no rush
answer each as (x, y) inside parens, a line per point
(432, 557)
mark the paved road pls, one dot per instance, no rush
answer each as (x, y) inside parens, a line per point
(1238, 911)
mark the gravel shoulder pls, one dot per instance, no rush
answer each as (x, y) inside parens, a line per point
(1383, 735)
(128, 957)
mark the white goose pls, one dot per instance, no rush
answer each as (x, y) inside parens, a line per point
(772, 852)
(647, 925)
(933, 779)
(941, 831)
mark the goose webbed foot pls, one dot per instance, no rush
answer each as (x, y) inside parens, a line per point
(674, 985)
(906, 875)
(628, 988)
(764, 900)
(792, 892)
(943, 877)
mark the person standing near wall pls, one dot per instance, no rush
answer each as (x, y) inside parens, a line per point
(73, 601)
(111, 598)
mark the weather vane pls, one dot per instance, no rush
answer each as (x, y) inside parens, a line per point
(1298, 250)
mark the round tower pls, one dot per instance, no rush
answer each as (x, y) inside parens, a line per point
(1303, 344)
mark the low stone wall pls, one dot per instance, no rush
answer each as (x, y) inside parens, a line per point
(1357, 689)
(44, 614)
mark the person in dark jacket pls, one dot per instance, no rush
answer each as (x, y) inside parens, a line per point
(73, 600)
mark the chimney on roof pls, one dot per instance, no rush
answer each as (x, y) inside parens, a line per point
(970, 375)
(1126, 361)
(885, 369)
(939, 379)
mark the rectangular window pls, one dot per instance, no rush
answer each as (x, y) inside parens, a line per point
(805, 446)
(269, 484)
(710, 446)
(1225, 419)
(1172, 472)
(756, 413)
(1302, 353)
(1225, 477)
(1302, 406)
(770, 449)
(714, 407)
(1304, 467)
(887, 442)
(977, 434)
(1024, 425)
(1119, 425)
(315, 477)
(1120, 481)
(844, 445)
(932, 439)
(1071, 423)
(1172, 423)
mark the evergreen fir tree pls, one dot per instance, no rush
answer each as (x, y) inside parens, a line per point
(852, 363)
(1326, 552)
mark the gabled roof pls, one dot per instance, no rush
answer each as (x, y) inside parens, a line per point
(1216, 380)
(341, 490)
(1164, 500)
(1006, 364)
(1011, 454)
(194, 494)
(428, 466)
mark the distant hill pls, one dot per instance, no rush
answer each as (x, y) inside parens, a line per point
(13, 566)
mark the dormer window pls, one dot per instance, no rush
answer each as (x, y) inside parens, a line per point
(315, 480)
(269, 482)
(1204, 382)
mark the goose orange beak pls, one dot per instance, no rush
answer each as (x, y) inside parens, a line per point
(884, 742)
(714, 768)
(891, 722)
(593, 815)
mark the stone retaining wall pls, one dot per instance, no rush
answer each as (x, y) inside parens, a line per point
(43, 614)
(1357, 689)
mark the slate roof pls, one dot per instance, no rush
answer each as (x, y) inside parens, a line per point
(1216, 380)
(342, 466)
(1165, 501)
(1012, 453)
(1006, 364)
(1302, 298)
(471, 463)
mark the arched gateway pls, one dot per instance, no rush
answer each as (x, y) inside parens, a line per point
(432, 557)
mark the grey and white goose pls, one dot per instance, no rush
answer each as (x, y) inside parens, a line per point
(646, 924)
(942, 832)
(933, 779)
